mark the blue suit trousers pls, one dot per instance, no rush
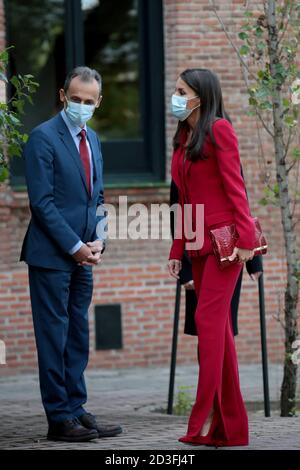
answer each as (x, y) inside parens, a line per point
(60, 302)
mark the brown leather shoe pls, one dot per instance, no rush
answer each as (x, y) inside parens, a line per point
(70, 430)
(105, 430)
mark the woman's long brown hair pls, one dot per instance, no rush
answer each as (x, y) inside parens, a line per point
(206, 86)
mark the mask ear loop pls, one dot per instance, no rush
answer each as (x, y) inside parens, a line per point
(67, 101)
(189, 99)
(198, 106)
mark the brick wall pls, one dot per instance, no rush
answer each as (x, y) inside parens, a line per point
(134, 272)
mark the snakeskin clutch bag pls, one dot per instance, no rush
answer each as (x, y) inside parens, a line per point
(224, 239)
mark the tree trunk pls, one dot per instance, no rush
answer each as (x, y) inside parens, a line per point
(288, 388)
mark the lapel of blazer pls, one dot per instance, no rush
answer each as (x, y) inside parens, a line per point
(71, 147)
(188, 163)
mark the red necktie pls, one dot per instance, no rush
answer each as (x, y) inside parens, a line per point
(84, 154)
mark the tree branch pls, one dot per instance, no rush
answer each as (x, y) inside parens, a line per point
(264, 124)
(244, 64)
(287, 14)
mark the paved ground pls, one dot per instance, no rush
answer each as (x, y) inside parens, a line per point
(135, 398)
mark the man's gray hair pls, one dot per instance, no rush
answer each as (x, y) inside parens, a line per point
(85, 74)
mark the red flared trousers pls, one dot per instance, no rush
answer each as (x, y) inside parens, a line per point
(218, 383)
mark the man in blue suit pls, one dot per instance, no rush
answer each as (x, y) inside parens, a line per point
(64, 240)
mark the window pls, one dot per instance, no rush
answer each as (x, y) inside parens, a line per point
(36, 30)
(123, 40)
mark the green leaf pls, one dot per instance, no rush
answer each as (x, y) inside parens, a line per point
(244, 50)
(296, 153)
(15, 82)
(19, 105)
(289, 120)
(266, 105)
(263, 202)
(286, 102)
(243, 36)
(261, 74)
(3, 173)
(14, 149)
(262, 92)
(258, 32)
(24, 86)
(252, 101)
(261, 46)
(13, 120)
(4, 56)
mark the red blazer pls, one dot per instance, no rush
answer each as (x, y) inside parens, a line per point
(218, 184)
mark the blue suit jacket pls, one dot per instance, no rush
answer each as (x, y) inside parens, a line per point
(62, 211)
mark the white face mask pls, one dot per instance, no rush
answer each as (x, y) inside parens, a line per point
(179, 107)
(79, 113)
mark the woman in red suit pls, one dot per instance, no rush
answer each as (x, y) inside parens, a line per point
(206, 169)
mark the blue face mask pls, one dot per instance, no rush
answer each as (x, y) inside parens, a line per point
(79, 113)
(179, 107)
